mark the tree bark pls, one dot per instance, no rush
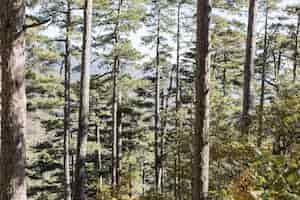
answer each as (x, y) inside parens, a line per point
(13, 100)
(115, 143)
(263, 75)
(296, 53)
(114, 128)
(99, 154)
(200, 168)
(119, 140)
(81, 178)
(157, 125)
(248, 91)
(67, 182)
(177, 101)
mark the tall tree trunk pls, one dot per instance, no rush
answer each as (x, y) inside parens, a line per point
(296, 52)
(67, 182)
(157, 126)
(263, 75)
(201, 136)
(119, 139)
(115, 72)
(177, 102)
(13, 100)
(162, 140)
(165, 102)
(248, 92)
(115, 127)
(81, 178)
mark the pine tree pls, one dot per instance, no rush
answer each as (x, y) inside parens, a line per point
(67, 81)
(80, 171)
(202, 88)
(13, 101)
(248, 89)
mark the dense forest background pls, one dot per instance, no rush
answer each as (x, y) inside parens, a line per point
(122, 103)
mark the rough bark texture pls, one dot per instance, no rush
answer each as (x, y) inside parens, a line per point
(115, 110)
(296, 53)
(201, 136)
(99, 154)
(13, 101)
(177, 100)
(263, 75)
(157, 125)
(67, 182)
(81, 179)
(248, 90)
(115, 126)
(119, 139)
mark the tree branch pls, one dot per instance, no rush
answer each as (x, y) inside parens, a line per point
(38, 23)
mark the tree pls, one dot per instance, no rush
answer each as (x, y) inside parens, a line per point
(80, 171)
(157, 122)
(263, 75)
(296, 51)
(200, 168)
(248, 89)
(115, 109)
(67, 62)
(13, 101)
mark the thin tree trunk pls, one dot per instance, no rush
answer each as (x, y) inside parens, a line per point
(296, 53)
(157, 126)
(13, 100)
(115, 71)
(114, 128)
(201, 136)
(279, 63)
(248, 91)
(224, 81)
(263, 75)
(177, 121)
(99, 154)
(67, 184)
(81, 179)
(175, 179)
(119, 140)
(162, 141)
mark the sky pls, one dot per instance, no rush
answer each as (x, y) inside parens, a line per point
(53, 32)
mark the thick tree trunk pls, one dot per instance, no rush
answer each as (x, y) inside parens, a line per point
(81, 178)
(201, 136)
(263, 75)
(248, 91)
(13, 100)
(67, 182)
